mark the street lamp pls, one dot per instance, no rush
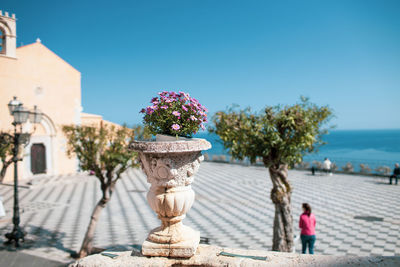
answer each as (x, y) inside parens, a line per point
(21, 115)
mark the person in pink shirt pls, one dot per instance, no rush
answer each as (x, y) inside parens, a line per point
(307, 225)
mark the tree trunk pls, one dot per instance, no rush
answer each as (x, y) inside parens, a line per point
(87, 243)
(4, 170)
(281, 196)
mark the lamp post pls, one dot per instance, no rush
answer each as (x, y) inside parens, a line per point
(21, 116)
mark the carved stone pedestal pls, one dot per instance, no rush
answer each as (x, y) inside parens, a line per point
(170, 167)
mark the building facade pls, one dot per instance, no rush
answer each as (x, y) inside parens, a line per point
(37, 76)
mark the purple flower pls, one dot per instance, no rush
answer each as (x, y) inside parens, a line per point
(175, 127)
(149, 110)
(183, 108)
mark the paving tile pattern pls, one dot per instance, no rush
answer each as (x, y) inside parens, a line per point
(232, 209)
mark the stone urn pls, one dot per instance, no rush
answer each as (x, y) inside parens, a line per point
(170, 167)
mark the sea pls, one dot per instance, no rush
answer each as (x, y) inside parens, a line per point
(374, 148)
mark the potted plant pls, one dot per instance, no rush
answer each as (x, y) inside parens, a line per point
(170, 163)
(174, 114)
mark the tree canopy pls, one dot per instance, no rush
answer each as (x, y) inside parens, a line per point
(6, 153)
(279, 135)
(103, 150)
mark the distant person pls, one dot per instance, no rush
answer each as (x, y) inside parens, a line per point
(313, 170)
(326, 165)
(396, 173)
(307, 225)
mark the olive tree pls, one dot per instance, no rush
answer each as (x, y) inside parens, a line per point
(280, 136)
(104, 151)
(6, 153)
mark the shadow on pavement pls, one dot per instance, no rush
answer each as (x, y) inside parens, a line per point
(18, 259)
(37, 237)
(379, 182)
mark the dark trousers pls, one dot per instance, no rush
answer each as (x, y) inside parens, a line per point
(395, 177)
(307, 240)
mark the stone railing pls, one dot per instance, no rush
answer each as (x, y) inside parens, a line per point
(210, 256)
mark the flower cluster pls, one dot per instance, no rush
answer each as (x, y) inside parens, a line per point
(174, 114)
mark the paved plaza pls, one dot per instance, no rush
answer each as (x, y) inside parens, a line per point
(355, 215)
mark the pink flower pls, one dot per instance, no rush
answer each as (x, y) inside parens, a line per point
(149, 110)
(175, 127)
(183, 108)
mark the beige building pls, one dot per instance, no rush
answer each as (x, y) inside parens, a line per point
(37, 76)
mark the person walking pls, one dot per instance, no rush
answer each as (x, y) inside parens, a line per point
(396, 173)
(326, 165)
(307, 224)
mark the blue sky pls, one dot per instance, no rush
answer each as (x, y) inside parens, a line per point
(345, 54)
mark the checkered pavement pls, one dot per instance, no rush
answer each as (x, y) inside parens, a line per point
(232, 209)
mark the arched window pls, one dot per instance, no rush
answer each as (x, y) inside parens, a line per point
(2, 41)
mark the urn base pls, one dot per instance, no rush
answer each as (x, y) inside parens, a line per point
(184, 249)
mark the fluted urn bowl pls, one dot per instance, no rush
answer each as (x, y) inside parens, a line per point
(170, 167)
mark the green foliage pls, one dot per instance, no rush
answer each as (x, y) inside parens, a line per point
(104, 150)
(279, 135)
(6, 146)
(6, 152)
(141, 132)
